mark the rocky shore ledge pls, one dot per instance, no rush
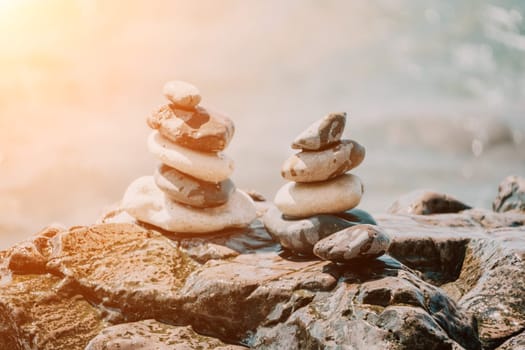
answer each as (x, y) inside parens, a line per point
(452, 278)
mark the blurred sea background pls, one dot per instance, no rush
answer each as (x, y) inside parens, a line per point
(435, 90)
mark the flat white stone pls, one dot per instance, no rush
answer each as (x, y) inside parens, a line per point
(211, 167)
(147, 203)
(181, 93)
(307, 199)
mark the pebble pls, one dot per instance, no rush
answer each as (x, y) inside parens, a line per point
(211, 167)
(199, 129)
(307, 199)
(308, 166)
(322, 133)
(511, 195)
(425, 202)
(147, 203)
(357, 242)
(182, 94)
(300, 235)
(188, 190)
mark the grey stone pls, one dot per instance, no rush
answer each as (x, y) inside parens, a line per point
(356, 242)
(309, 166)
(300, 235)
(424, 202)
(237, 287)
(188, 190)
(322, 133)
(511, 195)
(378, 305)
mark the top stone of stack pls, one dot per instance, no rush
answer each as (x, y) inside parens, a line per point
(321, 134)
(182, 94)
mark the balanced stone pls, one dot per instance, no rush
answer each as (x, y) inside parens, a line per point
(186, 189)
(308, 166)
(357, 242)
(211, 167)
(300, 235)
(147, 203)
(182, 94)
(306, 199)
(199, 129)
(322, 133)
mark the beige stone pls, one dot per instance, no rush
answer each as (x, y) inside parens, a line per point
(307, 199)
(181, 93)
(211, 167)
(147, 203)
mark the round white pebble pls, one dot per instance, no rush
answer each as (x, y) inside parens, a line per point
(212, 167)
(307, 199)
(147, 203)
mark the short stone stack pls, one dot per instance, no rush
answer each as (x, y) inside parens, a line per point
(319, 183)
(191, 191)
(321, 194)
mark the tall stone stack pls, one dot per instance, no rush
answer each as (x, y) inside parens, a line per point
(316, 201)
(191, 190)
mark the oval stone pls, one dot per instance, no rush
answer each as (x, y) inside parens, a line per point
(307, 199)
(199, 129)
(145, 202)
(322, 133)
(300, 235)
(211, 167)
(181, 93)
(188, 190)
(357, 242)
(309, 166)
(426, 202)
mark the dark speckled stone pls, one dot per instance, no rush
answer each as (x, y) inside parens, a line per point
(356, 242)
(198, 129)
(188, 190)
(300, 235)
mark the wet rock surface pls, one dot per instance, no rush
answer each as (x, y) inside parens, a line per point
(151, 334)
(449, 281)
